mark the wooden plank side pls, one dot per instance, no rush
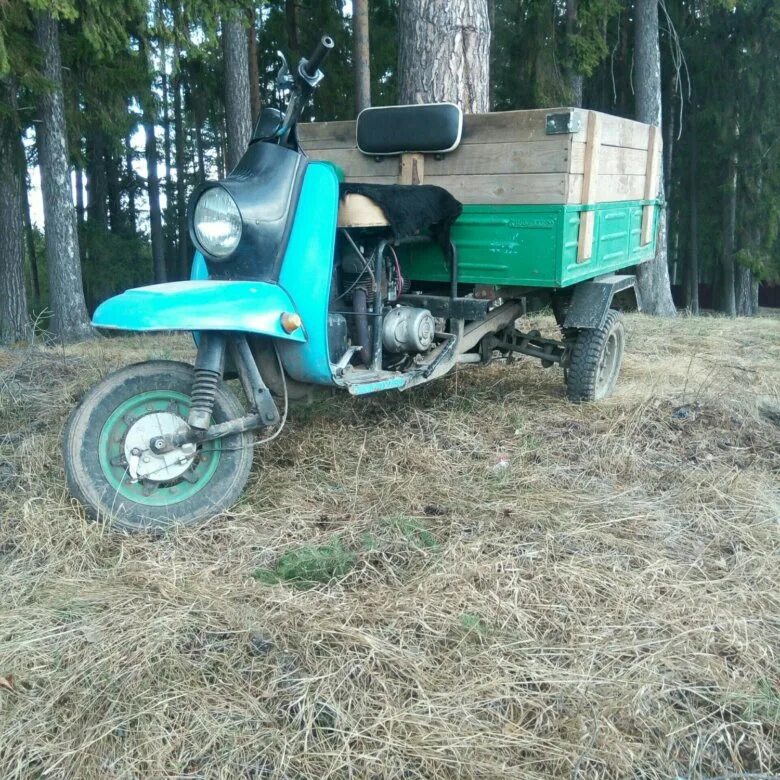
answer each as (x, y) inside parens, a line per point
(617, 131)
(511, 126)
(614, 160)
(497, 127)
(521, 188)
(355, 164)
(609, 188)
(651, 183)
(531, 188)
(373, 179)
(341, 132)
(548, 156)
(590, 179)
(613, 188)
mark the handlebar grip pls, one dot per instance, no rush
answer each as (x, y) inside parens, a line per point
(320, 53)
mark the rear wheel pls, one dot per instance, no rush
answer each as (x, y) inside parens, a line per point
(595, 360)
(112, 470)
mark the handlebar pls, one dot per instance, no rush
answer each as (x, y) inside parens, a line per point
(318, 57)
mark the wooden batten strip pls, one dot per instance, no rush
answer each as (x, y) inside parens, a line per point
(651, 182)
(412, 169)
(589, 186)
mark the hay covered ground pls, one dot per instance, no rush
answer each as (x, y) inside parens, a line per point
(474, 580)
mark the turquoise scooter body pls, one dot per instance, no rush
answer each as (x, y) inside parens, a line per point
(255, 307)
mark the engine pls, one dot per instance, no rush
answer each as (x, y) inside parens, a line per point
(405, 330)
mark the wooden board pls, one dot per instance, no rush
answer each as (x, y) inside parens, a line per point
(508, 157)
(549, 156)
(615, 160)
(589, 190)
(651, 183)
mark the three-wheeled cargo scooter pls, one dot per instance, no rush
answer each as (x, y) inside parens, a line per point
(302, 279)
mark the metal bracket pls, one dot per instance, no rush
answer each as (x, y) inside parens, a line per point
(455, 308)
(256, 390)
(565, 122)
(591, 300)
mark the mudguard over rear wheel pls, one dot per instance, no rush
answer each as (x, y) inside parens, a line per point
(596, 357)
(106, 440)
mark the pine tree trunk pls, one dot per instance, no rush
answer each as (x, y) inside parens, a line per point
(744, 284)
(237, 103)
(32, 254)
(254, 74)
(114, 189)
(575, 79)
(361, 54)
(182, 249)
(219, 133)
(153, 179)
(28, 228)
(728, 303)
(652, 276)
(168, 223)
(131, 207)
(445, 53)
(81, 212)
(97, 179)
(14, 320)
(693, 252)
(199, 149)
(153, 191)
(491, 4)
(66, 293)
(292, 23)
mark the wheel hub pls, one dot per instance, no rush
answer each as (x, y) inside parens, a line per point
(143, 462)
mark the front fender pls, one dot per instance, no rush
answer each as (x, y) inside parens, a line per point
(247, 307)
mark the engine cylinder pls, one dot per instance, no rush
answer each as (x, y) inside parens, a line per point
(406, 329)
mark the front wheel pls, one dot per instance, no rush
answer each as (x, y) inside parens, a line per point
(111, 469)
(595, 360)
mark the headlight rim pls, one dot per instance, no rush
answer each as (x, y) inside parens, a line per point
(194, 202)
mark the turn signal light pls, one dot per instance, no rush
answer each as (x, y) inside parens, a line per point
(291, 322)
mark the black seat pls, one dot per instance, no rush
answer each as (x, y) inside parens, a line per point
(431, 128)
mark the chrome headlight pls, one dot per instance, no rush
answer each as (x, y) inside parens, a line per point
(216, 223)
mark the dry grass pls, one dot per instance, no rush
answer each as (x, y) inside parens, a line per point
(527, 588)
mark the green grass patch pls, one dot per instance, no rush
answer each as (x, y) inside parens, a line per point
(415, 532)
(309, 565)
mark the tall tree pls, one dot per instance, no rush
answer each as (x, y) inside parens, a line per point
(445, 52)
(14, 322)
(153, 177)
(254, 74)
(728, 303)
(692, 273)
(652, 276)
(361, 54)
(182, 249)
(237, 102)
(574, 76)
(66, 294)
